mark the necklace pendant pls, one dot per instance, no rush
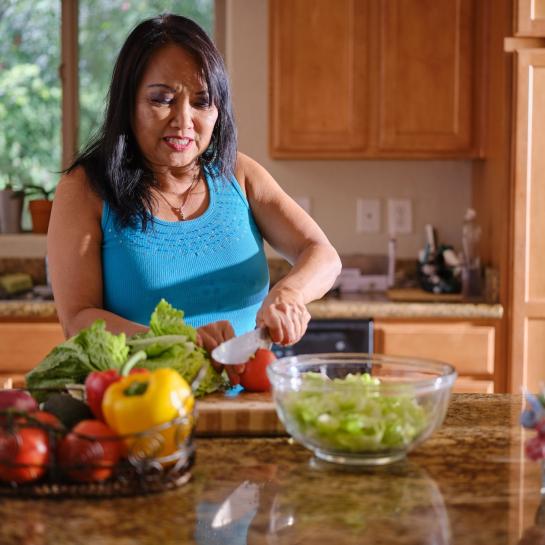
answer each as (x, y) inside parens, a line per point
(179, 212)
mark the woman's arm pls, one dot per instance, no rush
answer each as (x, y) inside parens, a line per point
(74, 257)
(297, 237)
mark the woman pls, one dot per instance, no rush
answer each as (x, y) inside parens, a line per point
(160, 204)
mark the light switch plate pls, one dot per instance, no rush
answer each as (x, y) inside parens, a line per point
(368, 215)
(400, 216)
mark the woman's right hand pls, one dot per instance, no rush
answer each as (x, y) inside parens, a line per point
(211, 335)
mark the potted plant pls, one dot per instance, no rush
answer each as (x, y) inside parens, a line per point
(40, 206)
(11, 209)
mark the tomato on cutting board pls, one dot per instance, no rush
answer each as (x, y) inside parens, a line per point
(254, 377)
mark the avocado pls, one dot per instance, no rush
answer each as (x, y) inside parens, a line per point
(67, 409)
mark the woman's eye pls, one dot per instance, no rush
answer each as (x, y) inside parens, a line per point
(201, 103)
(162, 100)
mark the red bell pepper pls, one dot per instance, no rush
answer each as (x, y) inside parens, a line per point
(98, 382)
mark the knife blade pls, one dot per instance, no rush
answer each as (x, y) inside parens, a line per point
(239, 349)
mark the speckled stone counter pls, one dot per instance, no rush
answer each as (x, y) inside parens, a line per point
(378, 306)
(358, 306)
(467, 485)
(28, 310)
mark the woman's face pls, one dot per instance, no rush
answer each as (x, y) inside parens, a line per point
(173, 122)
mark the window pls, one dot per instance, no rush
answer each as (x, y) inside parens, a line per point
(39, 110)
(30, 93)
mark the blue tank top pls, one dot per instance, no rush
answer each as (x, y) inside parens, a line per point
(212, 267)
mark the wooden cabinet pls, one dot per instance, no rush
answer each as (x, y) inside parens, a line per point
(371, 79)
(528, 295)
(530, 18)
(24, 344)
(467, 345)
(319, 77)
(509, 187)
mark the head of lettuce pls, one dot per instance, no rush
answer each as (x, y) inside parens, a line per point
(169, 342)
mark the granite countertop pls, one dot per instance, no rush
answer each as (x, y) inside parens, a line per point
(361, 305)
(467, 485)
(346, 306)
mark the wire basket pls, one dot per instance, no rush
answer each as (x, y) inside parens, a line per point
(141, 469)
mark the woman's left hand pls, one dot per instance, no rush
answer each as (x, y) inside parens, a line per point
(211, 335)
(284, 314)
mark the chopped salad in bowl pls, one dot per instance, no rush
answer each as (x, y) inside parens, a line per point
(360, 408)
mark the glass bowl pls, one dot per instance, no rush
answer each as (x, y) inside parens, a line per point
(359, 408)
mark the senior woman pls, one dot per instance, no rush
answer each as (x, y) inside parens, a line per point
(161, 204)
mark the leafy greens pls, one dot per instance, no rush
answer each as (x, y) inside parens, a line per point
(354, 419)
(170, 342)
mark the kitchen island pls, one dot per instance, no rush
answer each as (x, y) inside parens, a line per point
(468, 484)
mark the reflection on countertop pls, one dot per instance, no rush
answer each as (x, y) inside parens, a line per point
(467, 485)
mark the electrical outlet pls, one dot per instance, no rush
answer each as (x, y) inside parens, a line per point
(400, 216)
(368, 215)
(304, 202)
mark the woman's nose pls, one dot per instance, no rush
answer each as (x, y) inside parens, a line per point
(182, 117)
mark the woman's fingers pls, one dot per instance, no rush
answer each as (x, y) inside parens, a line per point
(211, 335)
(286, 322)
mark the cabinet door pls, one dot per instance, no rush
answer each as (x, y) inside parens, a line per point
(528, 300)
(318, 77)
(530, 18)
(24, 345)
(427, 52)
(469, 347)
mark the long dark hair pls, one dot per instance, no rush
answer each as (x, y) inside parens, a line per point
(112, 159)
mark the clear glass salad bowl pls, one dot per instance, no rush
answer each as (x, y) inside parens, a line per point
(360, 408)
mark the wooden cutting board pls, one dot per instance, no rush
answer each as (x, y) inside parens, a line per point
(245, 414)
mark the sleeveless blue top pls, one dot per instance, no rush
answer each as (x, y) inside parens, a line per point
(212, 267)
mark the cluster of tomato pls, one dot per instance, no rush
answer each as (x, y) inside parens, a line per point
(31, 439)
(533, 417)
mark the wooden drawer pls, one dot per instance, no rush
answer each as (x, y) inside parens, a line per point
(467, 385)
(24, 345)
(467, 346)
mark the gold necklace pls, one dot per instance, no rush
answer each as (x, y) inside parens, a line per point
(179, 210)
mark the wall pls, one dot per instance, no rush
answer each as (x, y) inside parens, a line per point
(440, 191)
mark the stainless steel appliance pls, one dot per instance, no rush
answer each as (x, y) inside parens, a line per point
(325, 336)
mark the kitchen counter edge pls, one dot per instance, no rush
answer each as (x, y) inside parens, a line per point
(326, 308)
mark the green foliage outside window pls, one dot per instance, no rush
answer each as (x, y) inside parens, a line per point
(30, 87)
(30, 93)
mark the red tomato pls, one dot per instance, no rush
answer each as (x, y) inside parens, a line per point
(24, 454)
(50, 420)
(254, 377)
(90, 451)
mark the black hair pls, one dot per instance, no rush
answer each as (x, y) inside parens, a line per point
(112, 160)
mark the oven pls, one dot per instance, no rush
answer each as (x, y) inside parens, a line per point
(328, 335)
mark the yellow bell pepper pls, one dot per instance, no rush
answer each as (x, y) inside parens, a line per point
(139, 402)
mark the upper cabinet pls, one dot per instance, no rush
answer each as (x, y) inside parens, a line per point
(530, 18)
(374, 79)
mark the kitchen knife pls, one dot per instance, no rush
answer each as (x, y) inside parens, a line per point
(239, 349)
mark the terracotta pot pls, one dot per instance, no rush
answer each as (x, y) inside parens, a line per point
(40, 211)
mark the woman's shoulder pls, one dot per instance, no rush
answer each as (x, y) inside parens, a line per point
(74, 188)
(248, 171)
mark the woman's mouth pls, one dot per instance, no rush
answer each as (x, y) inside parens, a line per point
(176, 143)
